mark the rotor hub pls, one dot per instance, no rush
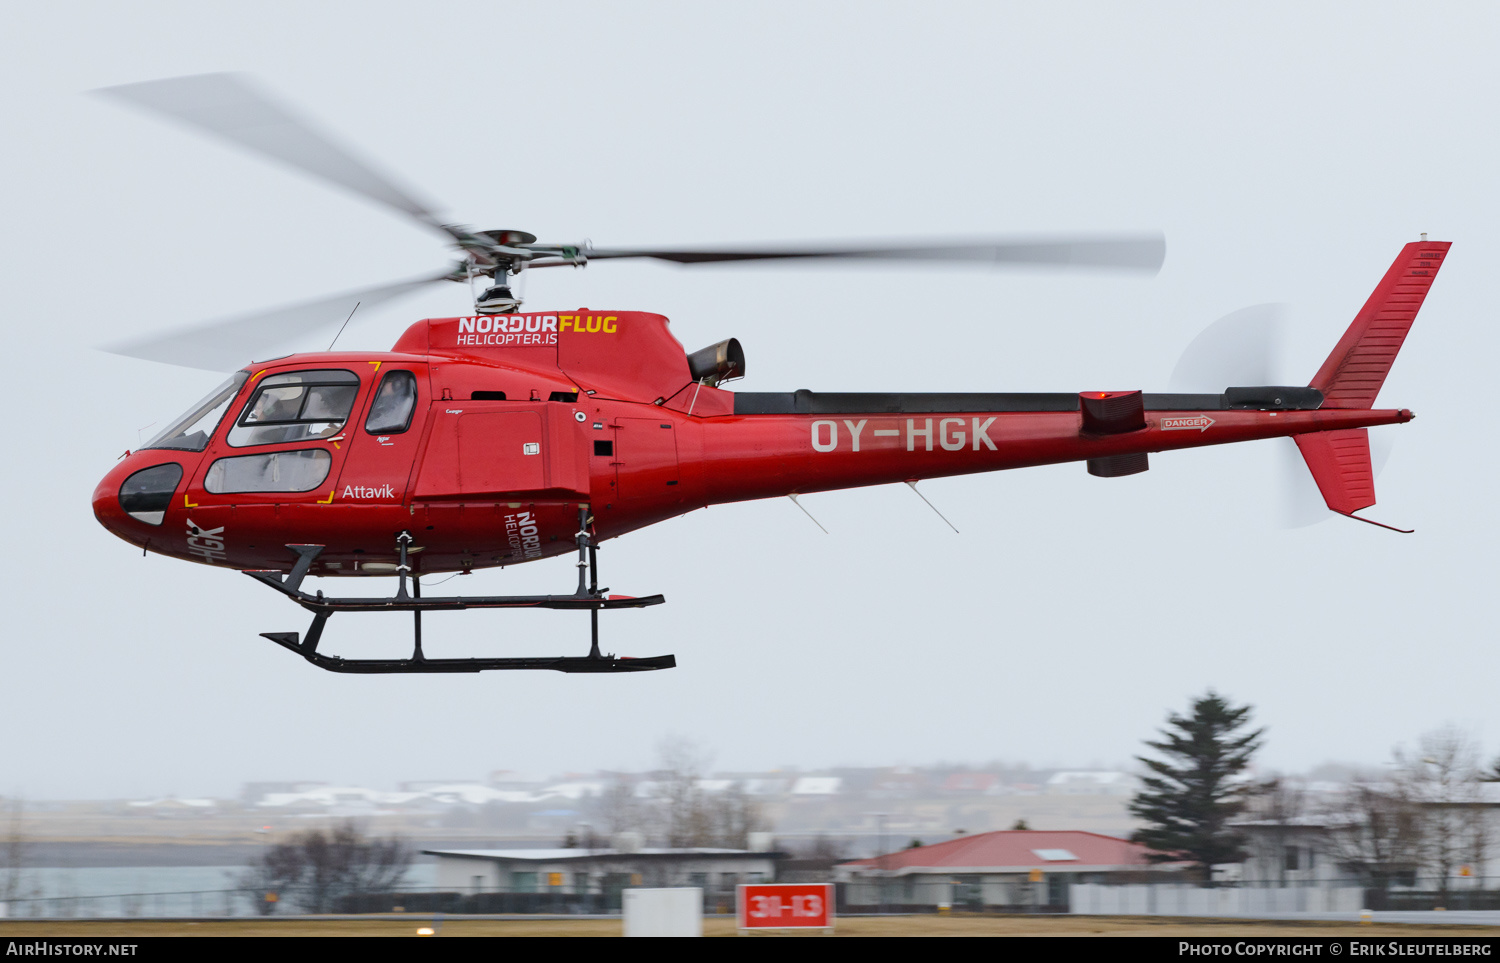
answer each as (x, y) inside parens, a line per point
(506, 236)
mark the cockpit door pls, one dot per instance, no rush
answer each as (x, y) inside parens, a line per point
(284, 442)
(384, 438)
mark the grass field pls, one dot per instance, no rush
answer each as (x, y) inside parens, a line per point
(964, 925)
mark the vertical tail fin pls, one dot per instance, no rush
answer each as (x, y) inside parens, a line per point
(1354, 372)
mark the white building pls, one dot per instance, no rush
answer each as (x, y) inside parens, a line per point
(1091, 782)
(600, 871)
(817, 786)
(1295, 852)
(1305, 849)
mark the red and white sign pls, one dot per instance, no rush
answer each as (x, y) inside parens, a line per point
(1197, 422)
(785, 906)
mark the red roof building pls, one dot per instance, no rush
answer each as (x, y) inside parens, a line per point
(1012, 869)
(970, 782)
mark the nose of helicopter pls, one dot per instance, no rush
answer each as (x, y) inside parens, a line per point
(132, 499)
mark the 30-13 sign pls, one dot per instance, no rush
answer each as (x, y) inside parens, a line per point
(785, 905)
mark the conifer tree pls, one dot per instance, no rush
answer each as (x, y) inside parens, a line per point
(1191, 796)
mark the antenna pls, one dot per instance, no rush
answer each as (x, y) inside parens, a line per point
(814, 520)
(913, 483)
(345, 324)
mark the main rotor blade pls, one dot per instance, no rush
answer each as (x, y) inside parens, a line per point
(1139, 253)
(231, 343)
(228, 106)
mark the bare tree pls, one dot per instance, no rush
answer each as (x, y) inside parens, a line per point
(275, 874)
(1443, 779)
(678, 809)
(618, 808)
(695, 817)
(733, 817)
(1429, 815)
(1374, 830)
(684, 818)
(319, 870)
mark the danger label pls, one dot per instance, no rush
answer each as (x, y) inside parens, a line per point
(1195, 423)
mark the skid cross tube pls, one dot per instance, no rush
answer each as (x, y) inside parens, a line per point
(588, 596)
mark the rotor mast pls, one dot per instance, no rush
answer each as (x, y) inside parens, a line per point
(507, 259)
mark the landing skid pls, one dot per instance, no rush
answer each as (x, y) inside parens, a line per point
(587, 596)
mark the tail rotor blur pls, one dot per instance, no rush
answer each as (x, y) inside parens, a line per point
(1248, 347)
(1242, 348)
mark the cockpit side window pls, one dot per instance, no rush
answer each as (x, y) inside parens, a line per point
(395, 400)
(296, 406)
(299, 470)
(192, 431)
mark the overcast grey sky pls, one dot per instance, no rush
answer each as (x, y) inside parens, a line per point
(1286, 150)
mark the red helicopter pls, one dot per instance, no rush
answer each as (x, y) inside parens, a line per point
(508, 436)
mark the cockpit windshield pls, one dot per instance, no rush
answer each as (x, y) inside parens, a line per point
(192, 431)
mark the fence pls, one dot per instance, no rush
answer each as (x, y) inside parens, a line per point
(207, 903)
(1453, 899)
(1177, 899)
(243, 902)
(1249, 898)
(924, 893)
(1057, 893)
